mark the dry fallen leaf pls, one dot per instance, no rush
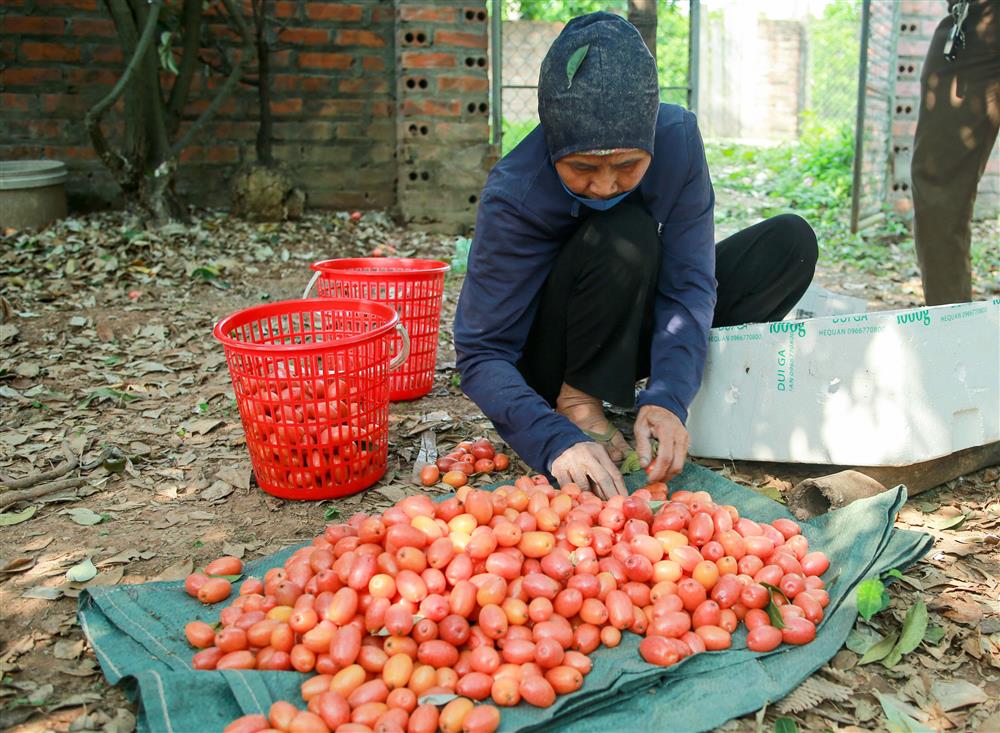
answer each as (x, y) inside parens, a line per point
(17, 565)
(957, 694)
(218, 491)
(204, 426)
(68, 648)
(108, 577)
(233, 548)
(39, 543)
(178, 571)
(238, 476)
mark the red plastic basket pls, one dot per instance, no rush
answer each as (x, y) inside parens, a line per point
(414, 287)
(311, 379)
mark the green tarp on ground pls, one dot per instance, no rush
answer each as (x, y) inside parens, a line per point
(137, 632)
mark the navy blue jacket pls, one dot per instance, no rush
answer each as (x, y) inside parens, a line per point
(524, 217)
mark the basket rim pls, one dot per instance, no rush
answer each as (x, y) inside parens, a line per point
(240, 318)
(407, 267)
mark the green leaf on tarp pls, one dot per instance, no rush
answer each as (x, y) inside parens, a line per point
(331, 513)
(773, 612)
(914, 627)
(871, 597)
(880, 649)
(230, 578)
(785, 725)
(442, 698)
(775, 589)
(897, 719)
(631, 463)
(9, 518)
(573, 65)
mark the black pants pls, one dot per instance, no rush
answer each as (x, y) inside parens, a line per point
(594, 325)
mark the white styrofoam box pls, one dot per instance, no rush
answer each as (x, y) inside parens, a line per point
(817, 302)
(887, 388)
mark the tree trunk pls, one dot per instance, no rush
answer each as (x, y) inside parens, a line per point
(642, 14)
(264, 153)
(145, 165)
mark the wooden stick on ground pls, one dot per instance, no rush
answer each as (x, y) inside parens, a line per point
(22, 483)
(10, 498)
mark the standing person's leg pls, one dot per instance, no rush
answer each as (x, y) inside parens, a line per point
(586, 339)
(764, 270)
(957, 125)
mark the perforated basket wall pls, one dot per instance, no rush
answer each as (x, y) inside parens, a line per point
(311, 379)
(414, 287)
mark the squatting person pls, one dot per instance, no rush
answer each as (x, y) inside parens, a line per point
(594, 266)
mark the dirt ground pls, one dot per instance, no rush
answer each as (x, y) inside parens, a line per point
(106, 354)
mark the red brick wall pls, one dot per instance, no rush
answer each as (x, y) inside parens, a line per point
(342, 108)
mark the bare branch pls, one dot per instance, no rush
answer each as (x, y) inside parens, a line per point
(92, 120)
(245, 52)
(264, 129)
(191, 22)
(10, 498)
(22, 483)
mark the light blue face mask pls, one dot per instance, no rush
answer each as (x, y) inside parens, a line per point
(598, 204)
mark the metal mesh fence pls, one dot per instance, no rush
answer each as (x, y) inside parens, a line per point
(758, 77)
(833, 41)
(530, 26)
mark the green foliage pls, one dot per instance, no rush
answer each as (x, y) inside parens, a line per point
(515, 132)
(880, 649)
(834, 45)
(914, 628)
(785, 725)
(871, 597)
(672, 50)
(560, 10)
(813, 173)
(671, 32)
(811, 177)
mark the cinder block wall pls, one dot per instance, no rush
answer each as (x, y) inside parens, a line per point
(918, 19)
(365, 96)
(443, 113)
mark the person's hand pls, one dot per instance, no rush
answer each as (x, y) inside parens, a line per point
(588, 463)
(660, 423)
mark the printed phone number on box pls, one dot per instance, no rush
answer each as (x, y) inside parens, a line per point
(713, 338)
(965, 314)
(852, 331)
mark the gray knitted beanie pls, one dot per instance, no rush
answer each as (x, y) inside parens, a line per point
(598, 88)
